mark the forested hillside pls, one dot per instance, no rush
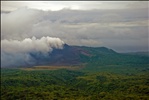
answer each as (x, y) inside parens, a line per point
(129, 83)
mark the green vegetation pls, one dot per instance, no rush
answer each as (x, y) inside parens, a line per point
(109, 82)
(102, 75)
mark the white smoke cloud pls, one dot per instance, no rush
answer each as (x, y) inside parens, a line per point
(45, 44)
(15, 52)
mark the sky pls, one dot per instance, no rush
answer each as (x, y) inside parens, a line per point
(118, 25)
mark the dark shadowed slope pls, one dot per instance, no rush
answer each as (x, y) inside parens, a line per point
(75, 55)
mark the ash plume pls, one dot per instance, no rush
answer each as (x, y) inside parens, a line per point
(17, 53)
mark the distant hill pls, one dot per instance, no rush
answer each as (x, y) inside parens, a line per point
(75, 55)
(145, 53)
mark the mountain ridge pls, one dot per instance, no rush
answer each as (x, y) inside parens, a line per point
(82, 55)
(76, 55)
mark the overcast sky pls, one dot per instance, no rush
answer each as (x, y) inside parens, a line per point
(119, 25)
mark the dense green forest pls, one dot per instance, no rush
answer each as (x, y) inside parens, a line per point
(102, 75)
(108, 82)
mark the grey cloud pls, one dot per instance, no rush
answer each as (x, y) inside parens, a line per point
(79, 5)
(76, 27)
(16, 59)
(137, 4)
(18, 23)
